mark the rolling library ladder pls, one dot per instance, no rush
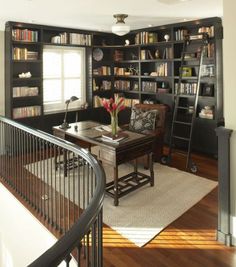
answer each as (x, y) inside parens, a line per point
(184, 116)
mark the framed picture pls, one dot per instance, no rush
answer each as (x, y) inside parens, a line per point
(208, 90)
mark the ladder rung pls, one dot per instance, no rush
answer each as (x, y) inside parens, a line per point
(186, 95)
(187, 53)
(179, 107)
(181, 138)
(191, 66)
(182, 122)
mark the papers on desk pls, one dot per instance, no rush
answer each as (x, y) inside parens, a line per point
(114, 139)
(106, 128)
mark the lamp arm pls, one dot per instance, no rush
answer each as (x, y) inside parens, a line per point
(67, 104)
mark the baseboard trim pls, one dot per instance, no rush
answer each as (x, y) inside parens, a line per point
(225, 238)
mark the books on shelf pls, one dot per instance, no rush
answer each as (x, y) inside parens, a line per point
(103, 70)
(80, 39)
(162, 69)
(25, 91)
(128, 102)
(146, 38)
(24, 54)
(186, 88)
(72, 38)
(122, 85)
(210, 30)
(180, 34)
(23, 112)
(103, 85)
(149, 86)
(24, 35)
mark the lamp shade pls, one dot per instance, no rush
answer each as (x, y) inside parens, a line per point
(120, 28)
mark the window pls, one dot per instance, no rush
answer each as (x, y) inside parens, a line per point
(63, 77)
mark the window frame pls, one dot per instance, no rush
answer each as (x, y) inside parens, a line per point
(55, 107)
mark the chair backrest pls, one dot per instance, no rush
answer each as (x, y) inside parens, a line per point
(162, 110)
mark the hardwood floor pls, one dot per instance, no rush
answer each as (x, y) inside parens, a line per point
(190, 241)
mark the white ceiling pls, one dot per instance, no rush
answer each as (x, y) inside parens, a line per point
(98, 15)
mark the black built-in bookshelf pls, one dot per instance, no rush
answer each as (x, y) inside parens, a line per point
(145, 69)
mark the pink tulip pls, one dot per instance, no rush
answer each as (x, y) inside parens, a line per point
(122, 107)
(114, 106)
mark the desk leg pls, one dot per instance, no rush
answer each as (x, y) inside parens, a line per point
(151, 169)
(116, 199)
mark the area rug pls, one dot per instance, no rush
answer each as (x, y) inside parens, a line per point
(144, 213)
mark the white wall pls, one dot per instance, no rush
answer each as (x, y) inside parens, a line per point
(2, 85)
(229, 54)
(22, 237)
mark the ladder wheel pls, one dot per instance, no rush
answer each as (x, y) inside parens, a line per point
(193, 168)
(164, 160)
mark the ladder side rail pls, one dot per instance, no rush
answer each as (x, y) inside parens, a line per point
(176, 102)
(205, 42)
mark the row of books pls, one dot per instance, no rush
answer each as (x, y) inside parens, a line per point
(210, 30)
(186, 88)
(24, 54)
(103, 70)
(146, 38)
(25, 91)
(181, 33)
(80, 39)
(149, 86)
(122, 85)
(104, 85)
(23, 112)
(24, 35)
(125, 71)
(72, 38)
(128, 102)
(162, 69)
(146, 54)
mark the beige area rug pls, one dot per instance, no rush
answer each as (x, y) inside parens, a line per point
(144, 213)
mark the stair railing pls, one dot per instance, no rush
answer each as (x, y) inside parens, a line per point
(32, 166)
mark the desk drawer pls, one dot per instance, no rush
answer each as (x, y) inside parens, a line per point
(107, 155)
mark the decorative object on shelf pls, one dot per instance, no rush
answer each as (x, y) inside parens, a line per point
(208, 90)
(97, 54)
(127, 42)
(167, 37)
(206, 113)
(186, 72)
(120, 28)
(25, 75)
(157, 54)
(114, 106)
(132, 71)
(65, 124)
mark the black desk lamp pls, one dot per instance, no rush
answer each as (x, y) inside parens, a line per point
(65, 124)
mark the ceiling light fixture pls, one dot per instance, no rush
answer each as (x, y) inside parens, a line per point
(120, 28)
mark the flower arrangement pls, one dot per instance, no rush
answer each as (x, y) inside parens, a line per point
(114, 106)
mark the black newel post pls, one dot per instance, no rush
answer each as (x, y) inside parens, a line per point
(223, 231)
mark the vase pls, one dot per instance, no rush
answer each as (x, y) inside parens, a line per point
(114, 124)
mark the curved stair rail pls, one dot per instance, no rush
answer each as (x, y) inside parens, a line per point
(60, 183)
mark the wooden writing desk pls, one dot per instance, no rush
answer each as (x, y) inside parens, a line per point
(131, 148)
